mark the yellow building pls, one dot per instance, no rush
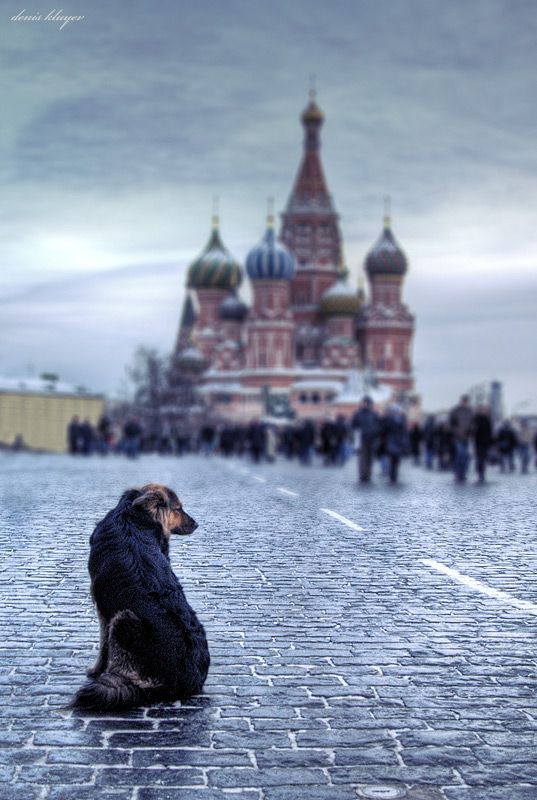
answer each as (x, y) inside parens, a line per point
(37, 415)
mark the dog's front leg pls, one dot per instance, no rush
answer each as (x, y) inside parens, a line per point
(102, 658)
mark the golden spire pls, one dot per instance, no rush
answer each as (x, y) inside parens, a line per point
(387, 208)
(270, 212)
(216, 218)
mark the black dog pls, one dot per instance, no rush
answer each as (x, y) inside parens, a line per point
(153, 646)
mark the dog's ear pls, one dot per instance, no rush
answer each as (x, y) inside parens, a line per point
(153, 498)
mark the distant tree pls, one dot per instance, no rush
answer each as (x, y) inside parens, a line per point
(148, 377)
(51, 379)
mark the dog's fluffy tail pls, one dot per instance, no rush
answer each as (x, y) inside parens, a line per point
(108, 692)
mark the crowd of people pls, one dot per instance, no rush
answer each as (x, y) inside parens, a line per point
(447, 443)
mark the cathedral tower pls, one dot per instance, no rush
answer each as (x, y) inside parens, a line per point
(270, 327)
(385, 325)
(311, 232)
(212, 276)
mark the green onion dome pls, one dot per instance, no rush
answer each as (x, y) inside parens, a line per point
(215, 268)
(386, 257)
(340, 300)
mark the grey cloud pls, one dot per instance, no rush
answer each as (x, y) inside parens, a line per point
(120, 131)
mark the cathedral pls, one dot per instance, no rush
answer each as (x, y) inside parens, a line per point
(310, 342)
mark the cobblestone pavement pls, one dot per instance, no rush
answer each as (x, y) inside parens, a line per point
(342, 665)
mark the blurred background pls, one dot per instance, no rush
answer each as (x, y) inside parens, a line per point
(121, 127)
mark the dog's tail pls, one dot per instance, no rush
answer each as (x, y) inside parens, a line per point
(109, 692)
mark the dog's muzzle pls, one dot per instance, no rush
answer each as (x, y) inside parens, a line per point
(189, 526)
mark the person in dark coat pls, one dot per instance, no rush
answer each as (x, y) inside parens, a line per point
(87, 436)
(416, 436)
(227, 441)
(207, 439)
(74, 436)
(306, 441)
(132, 435)
(507, 442)
(396, 440)
(482, 435)
(257, 436)
(460, 421)
(104, 434)
(429, 441)
(341, 437)
(366, 420)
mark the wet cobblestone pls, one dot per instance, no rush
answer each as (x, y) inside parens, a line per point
(339, 660)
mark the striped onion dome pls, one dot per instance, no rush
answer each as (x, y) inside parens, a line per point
(340, 300)
(232, 308)
(270, 260)
(215, 268)
(386, 257)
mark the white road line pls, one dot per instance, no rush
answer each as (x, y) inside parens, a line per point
(259, 478)
(348, 522)
(283, 490)
(504, 597)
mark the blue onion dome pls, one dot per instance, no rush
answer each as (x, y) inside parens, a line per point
(386, 257)
(270, 260)
(232, 308)
(215, 268)
(340, 300)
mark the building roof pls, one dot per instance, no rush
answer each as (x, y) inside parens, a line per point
(43, 386)
(233, 308)
(215, 267)
(386, 257)
(270, 260)
(340, 300)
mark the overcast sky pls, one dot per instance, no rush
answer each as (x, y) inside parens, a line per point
(117, 131)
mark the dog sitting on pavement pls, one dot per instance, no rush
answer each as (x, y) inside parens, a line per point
(153, 646)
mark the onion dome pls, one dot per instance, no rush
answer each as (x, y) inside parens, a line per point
(270, 260)
(232, 308)
(215, 268)
(386, 257)
(191, 359)
(312, 112)
(340, 300)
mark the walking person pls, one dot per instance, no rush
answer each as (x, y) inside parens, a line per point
(87, 437)
(74, 436)
(104, 434)
(460, 421)
(257, 436)
(306, 438)
(429, 441)
(507, 442)
(341, 443)
(482, 435)
(524, 437)
(396, 439)
(366, 421)
(132, 434)
(416, 437)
